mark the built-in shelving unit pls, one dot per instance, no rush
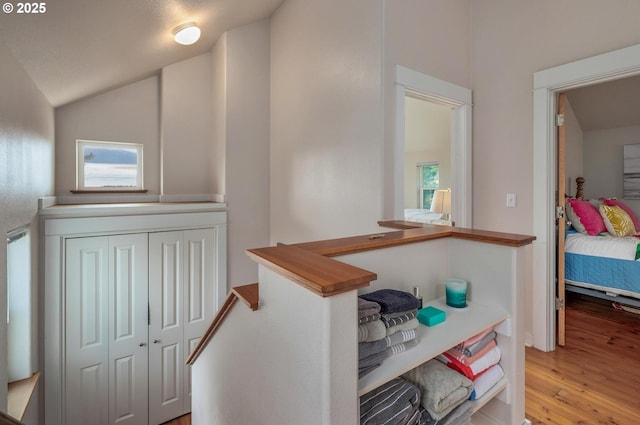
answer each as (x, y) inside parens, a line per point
(303, 336)
(459, 325)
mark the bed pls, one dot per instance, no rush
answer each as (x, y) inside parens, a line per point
(424, 216)
(602, 250)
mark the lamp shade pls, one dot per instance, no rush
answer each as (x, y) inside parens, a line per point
(441, 202)
(186, 34)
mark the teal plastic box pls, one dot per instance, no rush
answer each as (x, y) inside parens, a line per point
(431, 316)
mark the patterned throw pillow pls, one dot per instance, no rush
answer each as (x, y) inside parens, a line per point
(589, 216)
(616, 202)
(617, 221)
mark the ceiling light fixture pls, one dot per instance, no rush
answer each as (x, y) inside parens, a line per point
(187, 33)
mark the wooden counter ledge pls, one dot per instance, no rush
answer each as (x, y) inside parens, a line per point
(315, 272)
(308, 263)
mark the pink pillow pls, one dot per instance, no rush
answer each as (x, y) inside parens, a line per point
(615, 202)
(589, 216)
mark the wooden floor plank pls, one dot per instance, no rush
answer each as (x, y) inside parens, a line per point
(595, 378)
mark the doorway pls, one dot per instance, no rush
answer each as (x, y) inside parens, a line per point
(547, 84)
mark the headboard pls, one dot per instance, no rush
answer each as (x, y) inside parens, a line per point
(579, 188)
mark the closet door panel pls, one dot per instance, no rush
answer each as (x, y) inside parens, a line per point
(86, 330)
(200, 261)
(166, 360)
(128, 317)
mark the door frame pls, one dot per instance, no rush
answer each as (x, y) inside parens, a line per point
(546, 84)
(458, 99)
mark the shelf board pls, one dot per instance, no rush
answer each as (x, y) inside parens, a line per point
(460, 324)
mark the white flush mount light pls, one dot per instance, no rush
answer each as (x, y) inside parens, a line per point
(187, 33)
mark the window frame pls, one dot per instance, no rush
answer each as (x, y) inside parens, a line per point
(421, 188)
(80, 178)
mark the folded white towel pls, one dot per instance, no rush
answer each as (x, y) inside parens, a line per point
(485, 362)
(486, 381)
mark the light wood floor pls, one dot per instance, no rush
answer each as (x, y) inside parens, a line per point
(182, 420)
(594, 379)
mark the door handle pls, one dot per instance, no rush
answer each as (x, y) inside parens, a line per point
(155, 341)
(142, 344)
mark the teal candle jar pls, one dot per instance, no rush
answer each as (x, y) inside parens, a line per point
(456, 292)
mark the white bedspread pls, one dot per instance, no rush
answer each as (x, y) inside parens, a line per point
(602, 246)
(424, 216)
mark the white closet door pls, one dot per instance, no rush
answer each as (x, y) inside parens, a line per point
(182, 277)
(166, 359)
(87, 329)
(128, 319)
(199, 292)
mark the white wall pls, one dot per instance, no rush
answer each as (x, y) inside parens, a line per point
(26, 174)
(574, 149)
(187, 137)
(246, 145)
(510, 41)
(170, 114)
(604, 165)
(128, 114)
(432, 37)
(218, 113)
(326, 119)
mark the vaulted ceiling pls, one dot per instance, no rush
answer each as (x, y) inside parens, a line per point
(607, 105)
(77, 48)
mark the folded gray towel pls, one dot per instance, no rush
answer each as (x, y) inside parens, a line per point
(395, 319)
(367, 319)
(442, 388)
(393, 403)
(369, 364)
(400, 337)
(401, 347)
(458, 416)
(371, 331)
(366, 349)
(367, 308)
(411, 324)
(393, 300)
(476, 347)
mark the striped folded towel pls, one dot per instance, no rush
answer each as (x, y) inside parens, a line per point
(392, 300)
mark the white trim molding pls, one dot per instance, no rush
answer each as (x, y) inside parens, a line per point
(546, 85)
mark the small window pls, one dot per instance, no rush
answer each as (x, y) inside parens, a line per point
(428, 182)
(19, 311)
(109, 166)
